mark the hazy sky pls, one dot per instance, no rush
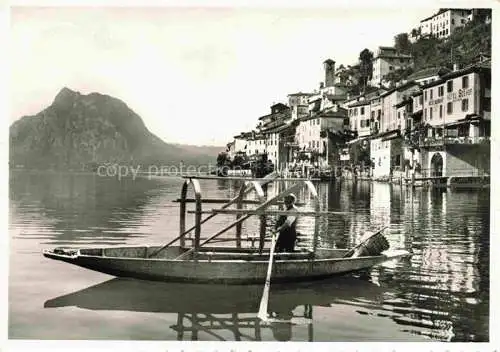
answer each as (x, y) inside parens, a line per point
(194, 75)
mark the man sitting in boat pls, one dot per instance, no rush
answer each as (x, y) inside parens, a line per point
(286, 226)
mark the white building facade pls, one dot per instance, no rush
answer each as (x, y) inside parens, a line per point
(444, 22)
(386, 60)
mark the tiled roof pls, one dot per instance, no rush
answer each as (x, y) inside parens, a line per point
(360, 103)
(403, 103)
(393, 56)
(300, 93)
(440, 12)
(387, 135)
(401, 87)
(483, 66)
(336, 97)
(277, 115)
(429, 72)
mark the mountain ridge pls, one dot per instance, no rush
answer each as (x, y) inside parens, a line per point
(80, 131)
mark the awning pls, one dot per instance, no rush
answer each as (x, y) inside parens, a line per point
(392, 135)
(470, 119)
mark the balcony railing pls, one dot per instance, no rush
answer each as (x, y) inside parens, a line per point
(438, 141)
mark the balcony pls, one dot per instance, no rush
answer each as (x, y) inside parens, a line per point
(290, 142)
(439, 141)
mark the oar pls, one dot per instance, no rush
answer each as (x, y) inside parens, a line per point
(351, 252)
(266, 180)
(265, 294)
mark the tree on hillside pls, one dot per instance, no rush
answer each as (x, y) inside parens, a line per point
(398, 75)
(402, 43)
(365, 66)
(416, 32)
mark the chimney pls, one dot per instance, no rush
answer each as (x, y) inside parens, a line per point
(456, 67)
(321, 85)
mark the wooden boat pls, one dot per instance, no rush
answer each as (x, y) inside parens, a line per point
(238, 264)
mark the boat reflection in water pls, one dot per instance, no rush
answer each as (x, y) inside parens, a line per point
(218, 309)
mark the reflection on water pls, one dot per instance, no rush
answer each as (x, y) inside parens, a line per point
(440, 293)
(210, 309)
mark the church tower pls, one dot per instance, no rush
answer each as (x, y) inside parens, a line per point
(329, 73)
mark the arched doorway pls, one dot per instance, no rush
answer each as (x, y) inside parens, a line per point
(437, 165)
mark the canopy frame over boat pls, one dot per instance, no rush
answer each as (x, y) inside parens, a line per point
(249, 186)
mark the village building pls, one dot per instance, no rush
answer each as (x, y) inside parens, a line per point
(314, 136)
(240, 142)
(386, 154)
(375, 114)
(359, 118)
(457, 116)
(443, 23)
(386, 147)
(256, 144)
(388, 59)
(390, 119)
(269, 127)
(299, 104)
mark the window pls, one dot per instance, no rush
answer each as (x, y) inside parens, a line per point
(452, 21)
(425, 114)
(449, 85)
(391, 68)
(431, 93)
(465, 82)
(430, 113)
(449, 108)
(362, 112)
(447, 31)
(440, 91)
(440, 111)
(399, 114)
(425, 95)
(373, 114)
(465, 104)
(420, 99)
(355, 111)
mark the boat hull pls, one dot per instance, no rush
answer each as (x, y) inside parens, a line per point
(230, 271)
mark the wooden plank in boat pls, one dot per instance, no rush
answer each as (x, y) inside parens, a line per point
(223, 200)
(277, 179)
(269, 212)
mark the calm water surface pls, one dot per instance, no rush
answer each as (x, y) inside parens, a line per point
(441, 293)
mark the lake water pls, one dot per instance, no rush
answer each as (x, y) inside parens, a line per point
(441, 293)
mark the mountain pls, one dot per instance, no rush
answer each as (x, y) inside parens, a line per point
(79, 132)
